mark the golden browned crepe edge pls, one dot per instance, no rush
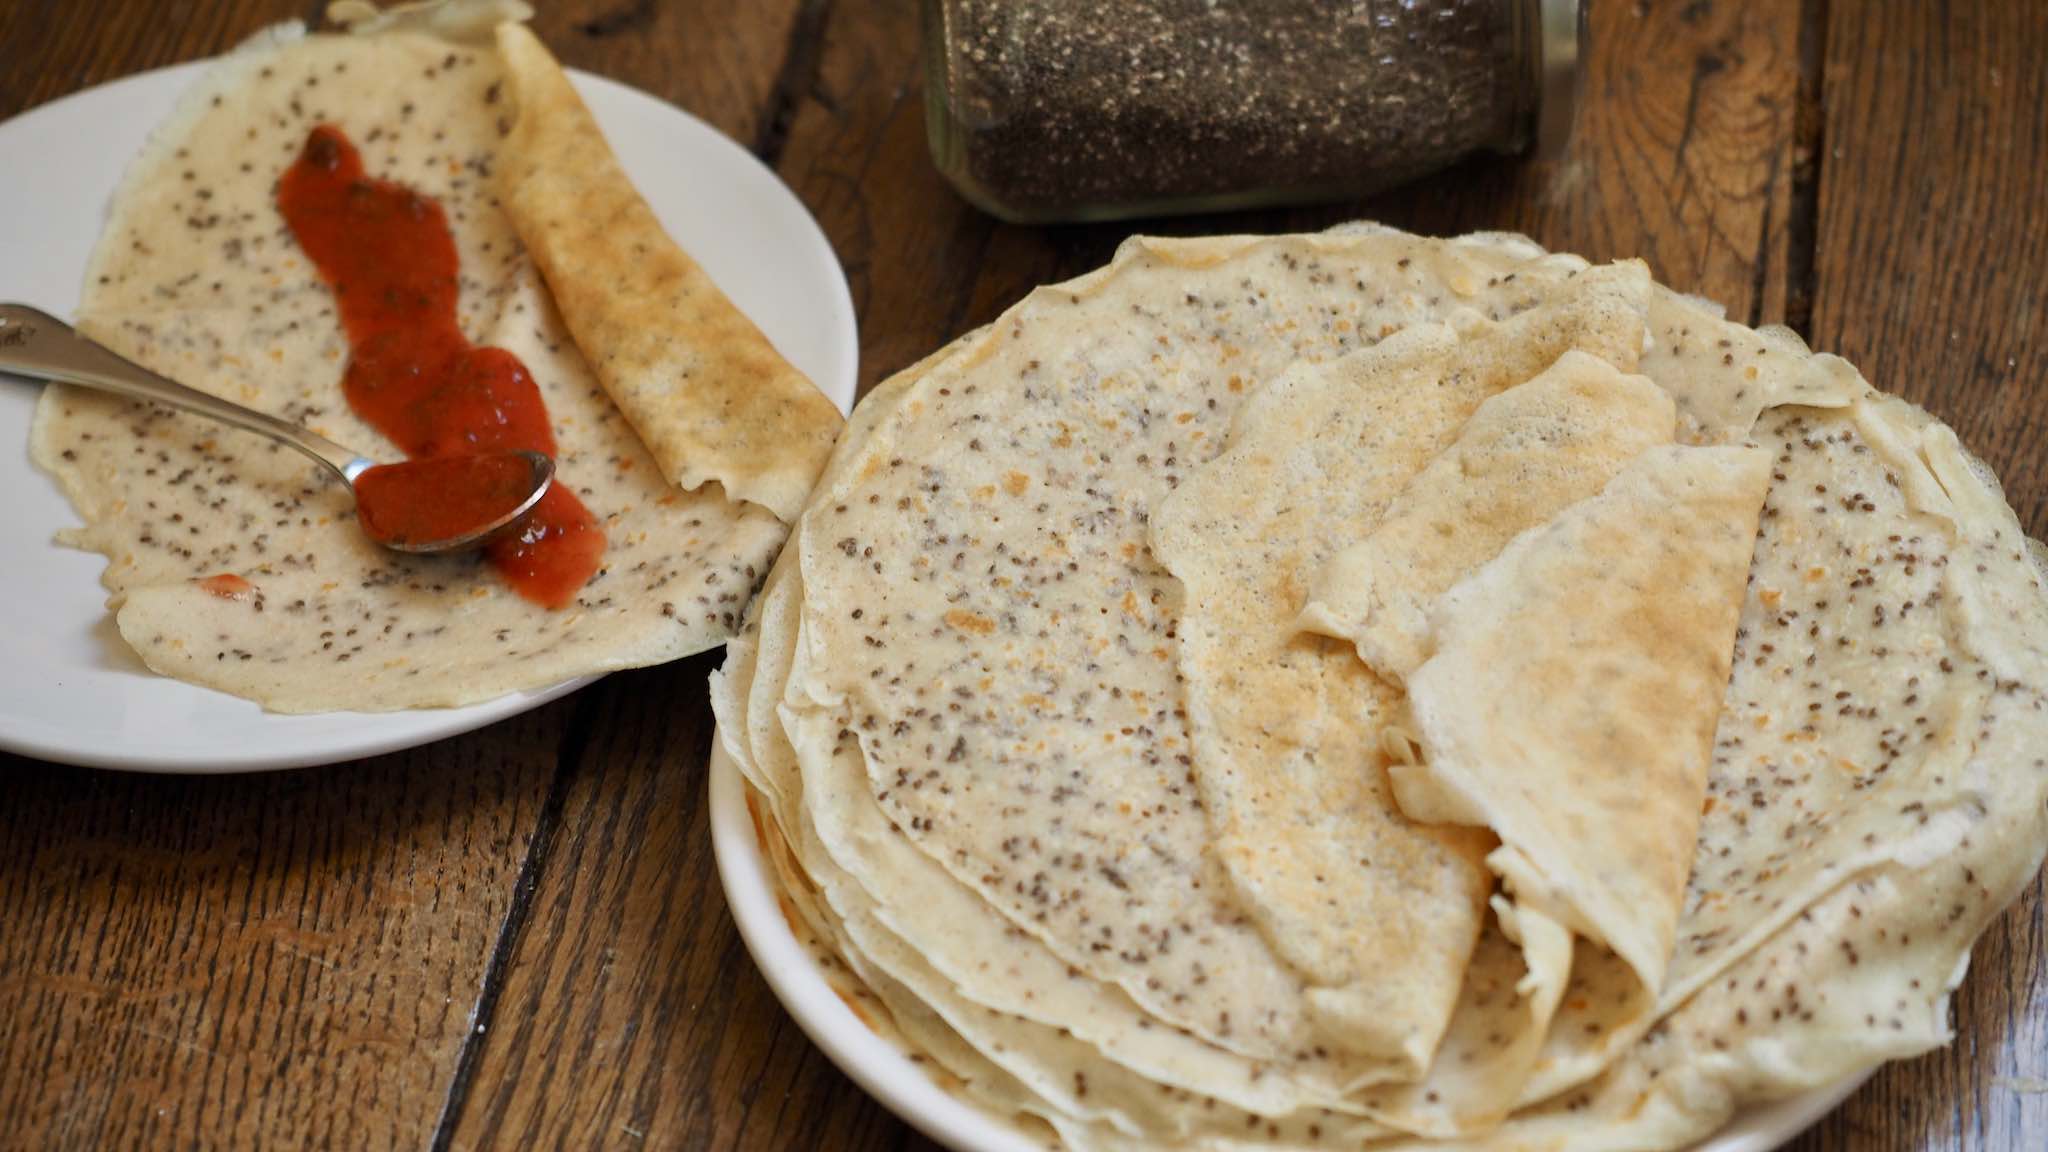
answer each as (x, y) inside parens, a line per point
(701, 385)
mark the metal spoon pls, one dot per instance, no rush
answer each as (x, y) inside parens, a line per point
(36, 344)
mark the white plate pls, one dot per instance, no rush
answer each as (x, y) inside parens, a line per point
(70, 690)
(888, 1076)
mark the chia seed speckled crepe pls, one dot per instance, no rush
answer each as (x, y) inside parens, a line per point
(956, 694)
(1289, 733)
(1524, 456)
(1054, 648)
(197, 276)
(708, 394)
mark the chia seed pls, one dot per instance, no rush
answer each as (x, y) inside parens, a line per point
(1078, 109)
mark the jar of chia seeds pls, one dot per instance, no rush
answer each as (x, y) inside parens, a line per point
(1056, 110)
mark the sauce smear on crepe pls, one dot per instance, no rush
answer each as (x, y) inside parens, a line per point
(387, 253)
(227, 586)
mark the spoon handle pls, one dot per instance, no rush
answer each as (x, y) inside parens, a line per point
(36, 344)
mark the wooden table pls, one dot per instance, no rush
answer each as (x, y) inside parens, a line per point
(517, 937)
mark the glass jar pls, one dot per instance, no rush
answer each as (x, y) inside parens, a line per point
(1057, 110)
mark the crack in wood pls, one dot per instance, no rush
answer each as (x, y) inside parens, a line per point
(1708, 65)
(624, 18)
(576, 738)
(1760, 286)
(1802, 222)
(801, 61)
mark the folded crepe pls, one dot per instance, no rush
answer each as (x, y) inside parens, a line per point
(1874, 798)
(1526, 456)
(707, 393)
(1523, 457)
(1287, 733)
(1571, 701)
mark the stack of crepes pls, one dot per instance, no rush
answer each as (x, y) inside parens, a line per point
(1356, 689)
(691, 441)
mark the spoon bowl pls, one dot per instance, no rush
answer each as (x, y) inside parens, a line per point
(447, 503)
(424, 507)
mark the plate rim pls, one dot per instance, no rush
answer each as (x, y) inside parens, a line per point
(36, 743)
(887, 1075)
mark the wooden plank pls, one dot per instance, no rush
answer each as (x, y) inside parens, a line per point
(1934, 221)
(1682, 154)
(1932, 244)
(631, 1011)
(53, 47)
(714, 59)
(257, 961)
(856, 154)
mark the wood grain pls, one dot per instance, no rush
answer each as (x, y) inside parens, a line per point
(856, 154)
(280, 960)
(712, 58)
(1933, 241)
(630, 1008)
(1682, 154)
(1932, 252)
(54, 47)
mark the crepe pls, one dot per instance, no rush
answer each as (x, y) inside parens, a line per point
(1039, 1010)
(1290, 784)
(1724, 375)
(197, 277)
(1523, 457)
(1492, 485)
(1287, 734)
(1535, 450)
(1034, 1013)
(707, 393)
(1571, 702)
(1031, 633)
(964, 702)
(1834, 901)
(1862, 975)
